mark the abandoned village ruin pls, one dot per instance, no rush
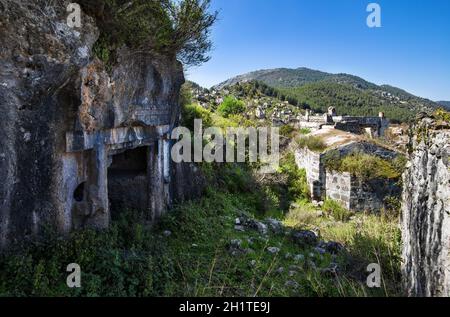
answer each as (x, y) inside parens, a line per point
(81, 141)
(342, 136)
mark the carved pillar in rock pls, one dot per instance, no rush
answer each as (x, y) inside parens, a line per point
(156, 171)
(98, 187)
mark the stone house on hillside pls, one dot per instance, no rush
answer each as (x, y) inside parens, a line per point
(352, 192)
(371, 126)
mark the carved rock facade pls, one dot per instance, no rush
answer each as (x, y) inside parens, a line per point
(78, 143)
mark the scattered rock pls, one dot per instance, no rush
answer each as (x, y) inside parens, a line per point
(305, 237)
(275, 225)
(235, 244)
(261, 227)
(320, 250)
(331, 270)
(273, 250)
(331, 247)
(291, 284)
(280, 270)
(239, 228)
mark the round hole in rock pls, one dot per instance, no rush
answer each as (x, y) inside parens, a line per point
(78, 194)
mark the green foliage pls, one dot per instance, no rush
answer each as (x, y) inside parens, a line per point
(313, 143)
(191, 112)
(231, 106)
(287, 130)
(365, 166)
(443, 115)
(296, 178)
(336, 210)
(368, 238)
(166, 27)
(349, 100)
(305, 131)
(185, 95)
(350, 95)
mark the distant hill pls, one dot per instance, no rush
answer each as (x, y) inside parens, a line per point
(291, 78)
(350, 94)
(445, 104)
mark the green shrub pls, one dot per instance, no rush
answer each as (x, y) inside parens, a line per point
(296, 178)
(171, 28)
(312, 142)
(305, 131)
(336, 210)
(231, 106)
(368, 166)
(443, 115)
(286, 130)
(365, 166)
(193, 111)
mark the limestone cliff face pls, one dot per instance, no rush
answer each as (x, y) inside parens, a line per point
(426, 212)
(64, 118)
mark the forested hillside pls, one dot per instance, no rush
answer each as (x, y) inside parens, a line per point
(350, 94)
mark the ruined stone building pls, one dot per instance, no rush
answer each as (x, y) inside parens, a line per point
(78, 143)
(371, 126)
(352, 192)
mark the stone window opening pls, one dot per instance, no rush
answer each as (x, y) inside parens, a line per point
(78, 194)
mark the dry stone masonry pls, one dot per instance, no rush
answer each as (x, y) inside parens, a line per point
(352, 192)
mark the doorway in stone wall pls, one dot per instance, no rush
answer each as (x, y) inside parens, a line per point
(128, 182)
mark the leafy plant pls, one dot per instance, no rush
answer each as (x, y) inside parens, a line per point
(231, 106)
(336, 210)
(191, 112)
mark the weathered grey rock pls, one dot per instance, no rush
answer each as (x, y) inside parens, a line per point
(273, 250)
(305, 237)
(426, 214)
(68, 125)
(275, 225)
(331, 247)
(291, 284)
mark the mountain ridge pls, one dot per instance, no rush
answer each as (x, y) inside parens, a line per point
(348, 93)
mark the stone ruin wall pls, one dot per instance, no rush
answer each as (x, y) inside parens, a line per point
(357, 194)
(426, 213)
(352, 192)
(372, 126)
(312, 163)
(66, 122)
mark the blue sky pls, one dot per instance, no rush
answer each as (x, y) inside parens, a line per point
(411, 50)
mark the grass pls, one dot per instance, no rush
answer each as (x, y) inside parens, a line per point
(131, 259)
(187, 253)
(368, 238)
(336, 210)
(313, 143)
